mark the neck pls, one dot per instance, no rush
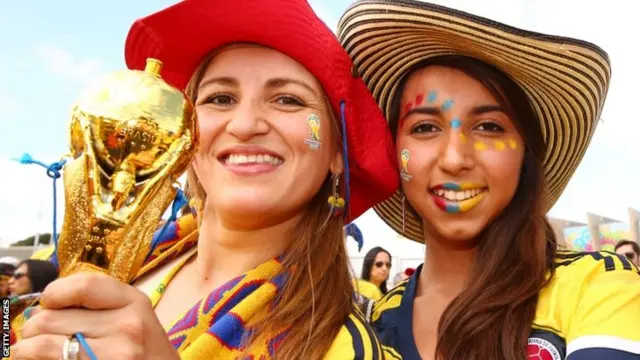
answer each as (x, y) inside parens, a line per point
(225, 252)
(446, 266)
(375, 282)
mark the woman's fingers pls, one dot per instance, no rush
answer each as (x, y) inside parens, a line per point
(91, 291)
(70, 321)
(49, 347)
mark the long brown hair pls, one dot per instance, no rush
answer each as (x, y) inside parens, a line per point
(491, 318)
(317, 297)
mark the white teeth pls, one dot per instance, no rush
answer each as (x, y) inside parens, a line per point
(453, 195)
(253, 159)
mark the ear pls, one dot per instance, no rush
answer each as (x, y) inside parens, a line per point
(337, 163)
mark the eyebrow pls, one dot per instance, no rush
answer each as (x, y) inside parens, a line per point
(229, 81)
(282, 82)
(483, 109)
(271, 83)
(432, 110)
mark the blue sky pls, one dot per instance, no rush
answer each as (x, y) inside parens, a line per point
(51, 49)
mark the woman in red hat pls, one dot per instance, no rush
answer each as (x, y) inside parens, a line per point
(292, 145)
(489, 123)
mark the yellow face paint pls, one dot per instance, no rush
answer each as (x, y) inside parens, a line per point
(314, 132)
(463, 138)
(404, 162)
(499, 145)
(480, 146)
(513, 144)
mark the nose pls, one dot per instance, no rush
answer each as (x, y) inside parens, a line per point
(455, 154)
(248, 120)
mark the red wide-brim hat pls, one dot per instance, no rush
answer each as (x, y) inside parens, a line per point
(181, 35)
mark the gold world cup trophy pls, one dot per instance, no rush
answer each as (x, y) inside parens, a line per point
(132, 136)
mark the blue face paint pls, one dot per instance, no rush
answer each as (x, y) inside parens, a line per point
(431, 97)
(453, 208)
(447, 104)
(455, 123)
(451, 186)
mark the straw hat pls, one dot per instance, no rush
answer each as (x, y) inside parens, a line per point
(565, 79)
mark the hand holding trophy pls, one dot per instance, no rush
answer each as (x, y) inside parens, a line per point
(132, 137)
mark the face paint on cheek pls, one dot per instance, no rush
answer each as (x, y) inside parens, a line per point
(499, 145)
(404, 163)
(314, 132)
(463, 139)
(512, 144)
(480, 146)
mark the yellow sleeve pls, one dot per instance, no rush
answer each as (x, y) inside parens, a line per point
(355, 340)
(607, 315)
(369, 290)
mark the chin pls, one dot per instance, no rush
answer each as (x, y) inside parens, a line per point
(463, 235)
(247, 204)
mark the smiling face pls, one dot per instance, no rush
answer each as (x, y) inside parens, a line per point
(463, 153)
(267, 137)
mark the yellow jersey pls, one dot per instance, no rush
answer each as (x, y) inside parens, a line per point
(589, 311)
(368, 289)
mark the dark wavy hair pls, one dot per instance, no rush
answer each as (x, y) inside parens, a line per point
(40, 273)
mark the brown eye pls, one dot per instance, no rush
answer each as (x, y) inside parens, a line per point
(220, 100)
(289, 100)
(490, 127)
(424, 128)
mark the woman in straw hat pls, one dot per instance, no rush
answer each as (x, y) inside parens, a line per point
(285, 159)
(490, 123)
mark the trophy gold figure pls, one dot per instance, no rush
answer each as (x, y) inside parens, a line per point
(132, 136)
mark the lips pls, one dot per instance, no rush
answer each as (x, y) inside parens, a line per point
(250, 160)
(458, 197)
(243, 159)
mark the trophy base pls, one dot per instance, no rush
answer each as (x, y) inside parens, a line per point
(83, 267)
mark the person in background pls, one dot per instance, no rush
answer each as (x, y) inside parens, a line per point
(630, 250)
(32, 276)
(398, 278)
(375, 273)
(402, 276)
(7, 267)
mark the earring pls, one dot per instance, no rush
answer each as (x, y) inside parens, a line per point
(336, 203)
(403, 212)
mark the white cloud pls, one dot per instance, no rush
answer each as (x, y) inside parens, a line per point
(62, 62)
